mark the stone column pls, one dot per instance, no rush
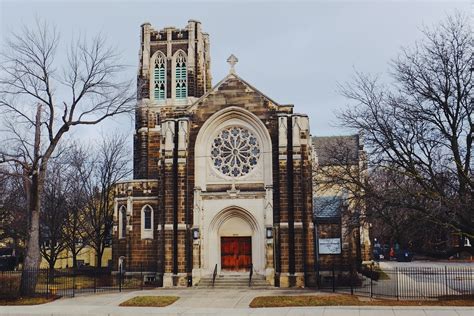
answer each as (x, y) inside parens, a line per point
(145, 51)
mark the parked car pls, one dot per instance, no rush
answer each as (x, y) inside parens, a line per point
(386, 251)
(8, 259)
(377, 254)
(404, 255)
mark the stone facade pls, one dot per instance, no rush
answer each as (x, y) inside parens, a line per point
(222, 162)
(338, 204)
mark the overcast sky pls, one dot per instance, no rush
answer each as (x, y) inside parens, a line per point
(295, 52)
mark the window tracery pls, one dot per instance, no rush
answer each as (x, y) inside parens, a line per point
(159, 78)
(235, 151)
(181, 76)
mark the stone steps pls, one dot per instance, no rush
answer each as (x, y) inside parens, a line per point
(234, 282)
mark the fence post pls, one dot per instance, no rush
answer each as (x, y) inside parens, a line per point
(94, 273)
(120, 278)
(471, 272)
(333, 279)
(47, 283)
(73, 281)
(141, 276)
(351, 277)
(396, 271)
(371, 278)
(446, 279)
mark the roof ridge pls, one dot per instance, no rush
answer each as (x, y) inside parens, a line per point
(224, 80)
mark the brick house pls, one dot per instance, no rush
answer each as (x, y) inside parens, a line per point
(222, 174)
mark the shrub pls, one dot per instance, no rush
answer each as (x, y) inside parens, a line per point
(10, 284)
(373, 273)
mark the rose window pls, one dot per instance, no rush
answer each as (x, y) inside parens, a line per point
(235, 151)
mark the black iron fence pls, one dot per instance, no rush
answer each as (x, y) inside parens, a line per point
(71, 282)
(401, 283)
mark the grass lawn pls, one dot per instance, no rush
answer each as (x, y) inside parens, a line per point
(150, 301)
(346, 300)
(27, 300)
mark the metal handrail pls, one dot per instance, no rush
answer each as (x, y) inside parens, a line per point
(250, 275)
(214, 274)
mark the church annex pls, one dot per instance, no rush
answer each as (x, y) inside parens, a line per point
(223, 175)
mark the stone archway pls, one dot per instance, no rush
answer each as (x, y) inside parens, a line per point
(240, 225)
(232, 116)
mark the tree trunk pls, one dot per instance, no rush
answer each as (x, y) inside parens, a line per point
(33, 255)
(51, 271)
(74, 258)
(29, 276)
(99, 254)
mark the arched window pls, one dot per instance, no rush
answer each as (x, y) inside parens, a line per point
(122, 222)
(159, 77)
(181, 76)
(147, 222)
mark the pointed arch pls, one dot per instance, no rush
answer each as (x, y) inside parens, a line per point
(122, 221)
(228, 117)
(180, 75)
(253, 228)
(158, 75)
(146, 222)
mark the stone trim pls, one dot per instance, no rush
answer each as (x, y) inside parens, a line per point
(296, 224)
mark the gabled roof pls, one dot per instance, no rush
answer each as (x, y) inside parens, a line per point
(224, 80)
(327, 206)
(336, 150)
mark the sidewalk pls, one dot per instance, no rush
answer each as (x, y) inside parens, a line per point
(213, 302)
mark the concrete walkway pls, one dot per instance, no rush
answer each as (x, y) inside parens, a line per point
(213, 302)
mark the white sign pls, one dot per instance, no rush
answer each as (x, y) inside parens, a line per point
(330, 246)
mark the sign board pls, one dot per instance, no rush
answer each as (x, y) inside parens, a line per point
(329, 246)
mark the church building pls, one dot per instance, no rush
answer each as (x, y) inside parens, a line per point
(223, 174)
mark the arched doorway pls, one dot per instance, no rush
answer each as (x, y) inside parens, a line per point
(236, 245)
(235, 241)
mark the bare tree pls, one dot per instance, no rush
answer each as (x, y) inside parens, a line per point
(75, 226)
(42, 98)
(110, 165)
(380, 196)
(339, 174)
(419, 131)
(54, 213)
(13, 219)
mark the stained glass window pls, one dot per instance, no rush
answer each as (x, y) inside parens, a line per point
(147, 217)
(235, 151)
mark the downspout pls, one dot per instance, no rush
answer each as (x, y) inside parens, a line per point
(276, 209)
(175, 199)
(291, 209)
(305, 210)
(161, 243)
(189, 244)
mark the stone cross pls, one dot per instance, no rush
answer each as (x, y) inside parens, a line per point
(232, 60)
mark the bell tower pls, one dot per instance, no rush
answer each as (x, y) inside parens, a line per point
(174, 64)
(174, 71)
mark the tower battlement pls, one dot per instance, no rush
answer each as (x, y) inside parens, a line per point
(174, 64)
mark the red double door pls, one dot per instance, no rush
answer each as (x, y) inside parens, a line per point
(236, 253)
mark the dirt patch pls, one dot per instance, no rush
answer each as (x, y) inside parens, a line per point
(36, 300)
(347, 300)
(150, 301)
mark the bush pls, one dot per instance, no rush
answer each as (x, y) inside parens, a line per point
(371, 273)
(10, 284)
(348, 279)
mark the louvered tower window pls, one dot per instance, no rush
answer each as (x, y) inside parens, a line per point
(181, 77)
(159, 78)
